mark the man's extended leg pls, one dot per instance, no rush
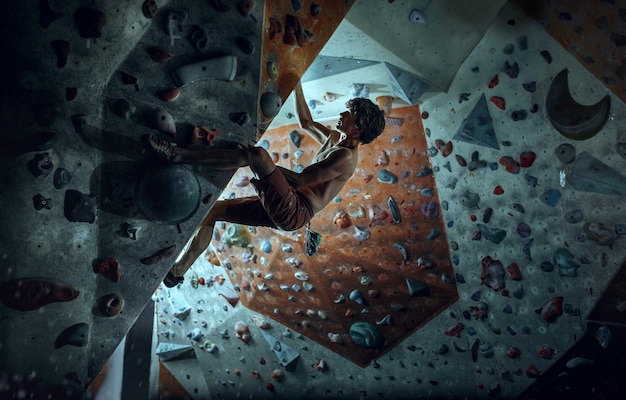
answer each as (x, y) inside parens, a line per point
(199, 243)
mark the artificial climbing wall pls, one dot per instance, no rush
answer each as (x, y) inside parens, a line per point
(531, 253)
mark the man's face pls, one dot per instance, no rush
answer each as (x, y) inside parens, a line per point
(346, 122)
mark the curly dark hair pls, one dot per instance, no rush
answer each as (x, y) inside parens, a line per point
(368, 117)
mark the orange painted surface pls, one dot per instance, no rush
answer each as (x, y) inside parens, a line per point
(342, 261)
(591, 32)
(292, 61)
(169, 387)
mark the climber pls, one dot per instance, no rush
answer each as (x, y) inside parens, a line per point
(286, 200)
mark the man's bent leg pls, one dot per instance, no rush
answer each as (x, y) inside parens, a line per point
(220, 159)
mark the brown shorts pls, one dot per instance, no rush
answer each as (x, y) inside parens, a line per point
(278, 205)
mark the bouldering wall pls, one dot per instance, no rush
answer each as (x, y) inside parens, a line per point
(533, 246)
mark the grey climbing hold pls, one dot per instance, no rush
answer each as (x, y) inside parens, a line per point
(574, 120)
(385, 176)
(564, 261)
(270, 104)
(219, 68)
(591, 175)
(565, 152)
(477, 127)
(469, 199)
(493, 235)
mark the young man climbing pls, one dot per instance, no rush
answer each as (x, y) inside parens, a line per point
(286, 200)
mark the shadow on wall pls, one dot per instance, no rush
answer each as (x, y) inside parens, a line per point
(383, 259)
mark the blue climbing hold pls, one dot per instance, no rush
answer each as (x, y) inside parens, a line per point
(427, 192)
(551, 197)
(455, 259)
(384, 176)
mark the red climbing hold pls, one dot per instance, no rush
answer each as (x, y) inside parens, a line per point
(461, 161)
(493, 82)
(510, 164)
(443, 147)
(514, 272)
(498, 101)
(526, 159)
(498, 190)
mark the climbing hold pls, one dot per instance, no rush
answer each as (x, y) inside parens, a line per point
(526, 159)
(109, 305)
(159, 54)
(498, 101)
(454, 330)
(430, 209)
(599, 233)
(519, 115)
(417, 16)
(199, 39)
(565, 152)
(477, 127)
(492, 273)
(383, 159)
(62, 50)
(357, 297)
(495, 235)
(564, 261)
(523, 229)
(514, 272)
(551, 197)
(149, 8)
(165, 122)
(552, 309)
(469, 199)
(475, 162)
(89, 22)
(417, 288)
(393, 208)
(40, 202)
(218, 68)
(512, 70)
(426, 192)
(79, 207)
(168, 95)
(444, 147)
(487, 214)
(530, 87)
(385, 103)
(242, 332)
(270, 104)
(510, 164)
(47, 15)
(385, 176)
(41, 165)
(27, 294)
(245, 45)
(75, 335)
(498, 190)
(365, 334)
(460, 160)
(592, 175)
(493, 82)
(109, 268)
(574, 120)
(61, 178)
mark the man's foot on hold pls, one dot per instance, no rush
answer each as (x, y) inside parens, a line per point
(161, 147)
(170, 280)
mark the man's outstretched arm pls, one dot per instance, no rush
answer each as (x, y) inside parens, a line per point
(316, 131)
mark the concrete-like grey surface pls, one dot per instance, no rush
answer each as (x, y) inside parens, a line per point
(105, 160)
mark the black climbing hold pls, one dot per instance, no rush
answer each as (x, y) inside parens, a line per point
(61, 178)
(41, 165)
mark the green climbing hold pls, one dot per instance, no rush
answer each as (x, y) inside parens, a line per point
(366, 335)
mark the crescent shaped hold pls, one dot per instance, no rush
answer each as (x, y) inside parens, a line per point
(574, 120)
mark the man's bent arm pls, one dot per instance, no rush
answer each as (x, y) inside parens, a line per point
(316, 131)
